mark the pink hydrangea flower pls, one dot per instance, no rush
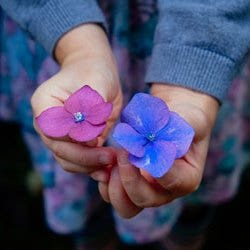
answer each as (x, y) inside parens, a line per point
(83, 116)
(153, 135)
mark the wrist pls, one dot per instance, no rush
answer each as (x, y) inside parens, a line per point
(85, 53)
(85, 41)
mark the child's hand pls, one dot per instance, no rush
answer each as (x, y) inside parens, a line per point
(130, 189)
(85, 58)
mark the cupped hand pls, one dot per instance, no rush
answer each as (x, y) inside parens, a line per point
(85, 59)
(130, 190)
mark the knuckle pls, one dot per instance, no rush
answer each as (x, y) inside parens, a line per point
(194, 182)
(193, 187)
(181, 187)
(56, 148)
(189, 188)
(48, 142)
(129, 181)
(129, 214)
(142, 203)
(145, 202)
(68, 169)
(82, 158)
(174, 187)
(126, 181)
(132, 180)
(74, 169)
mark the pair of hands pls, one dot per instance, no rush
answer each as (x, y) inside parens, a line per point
(127, 188)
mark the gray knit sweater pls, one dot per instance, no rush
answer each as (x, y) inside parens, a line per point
(198, 44)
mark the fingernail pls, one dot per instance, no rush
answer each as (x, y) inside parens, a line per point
(123, 159)
(101, 176)
(115, 172)
(106, 159)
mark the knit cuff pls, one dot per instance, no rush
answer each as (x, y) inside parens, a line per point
(55, 18)
(191, 67)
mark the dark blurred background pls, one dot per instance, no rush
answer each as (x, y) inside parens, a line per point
(22, 224)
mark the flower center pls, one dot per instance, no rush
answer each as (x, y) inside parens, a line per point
(79, 117)
(151, 137)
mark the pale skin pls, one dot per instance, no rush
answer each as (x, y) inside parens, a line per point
(128, 189)
(83, 61)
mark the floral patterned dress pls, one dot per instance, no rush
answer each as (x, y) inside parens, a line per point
(71, 199)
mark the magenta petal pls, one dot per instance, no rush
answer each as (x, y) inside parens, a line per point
(84, 131)
(158, 159)
(146, 114)
(179, 132)
(55, 122)
(130, 139)
(99, 113)
(82, 100)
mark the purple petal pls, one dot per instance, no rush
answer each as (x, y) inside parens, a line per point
(179, 132)
(82, 100)
(84, 131)
(146, 114)
(99, 113)
(159, 158)
(55, 121)
(130, 139)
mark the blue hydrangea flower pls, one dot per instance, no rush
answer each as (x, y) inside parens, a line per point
(153, 135)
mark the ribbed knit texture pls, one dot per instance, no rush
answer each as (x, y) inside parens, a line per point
(48, 20)
(191, 67)
(200, 44)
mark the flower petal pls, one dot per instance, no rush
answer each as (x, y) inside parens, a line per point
(130, 139)
(55, 121)
(146, 114)
(179, 132)
(82, 100)
(99, 113)
(159, 158)
(84, 131)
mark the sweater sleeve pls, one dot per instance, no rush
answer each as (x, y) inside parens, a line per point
(200, 44)
(47, 20)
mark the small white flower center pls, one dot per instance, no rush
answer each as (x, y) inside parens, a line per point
(151, 137)
(79, 117)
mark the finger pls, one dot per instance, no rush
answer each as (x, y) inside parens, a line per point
(139, 190)
(48, 95)
(103, 190)
(92, 143)
(182, 179)
(84, 169)
(81, 155)
(101, 175)
(185, 175)
(118, 197)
